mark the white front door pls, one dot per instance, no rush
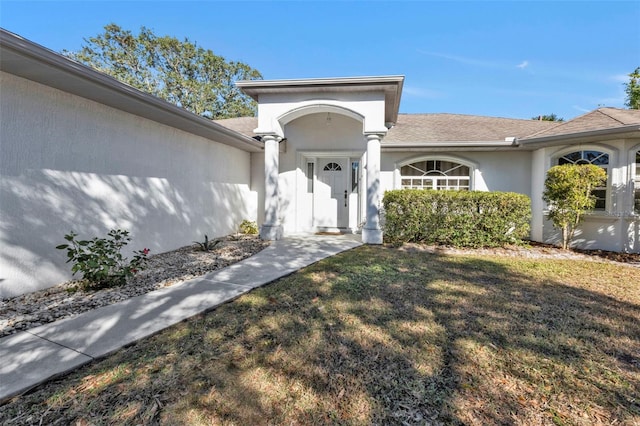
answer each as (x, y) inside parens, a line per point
(332, 199)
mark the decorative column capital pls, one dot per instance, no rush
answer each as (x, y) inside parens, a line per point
(264, 137)
(372, 136)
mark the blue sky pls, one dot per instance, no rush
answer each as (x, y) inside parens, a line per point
(508, 59)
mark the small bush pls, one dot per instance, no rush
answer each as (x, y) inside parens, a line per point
(456, 218)
(248, 227)
(207, 244)
(100, 260)
(568, 191)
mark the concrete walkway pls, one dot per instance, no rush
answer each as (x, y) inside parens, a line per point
(34, 356)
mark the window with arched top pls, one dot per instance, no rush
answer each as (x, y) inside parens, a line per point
(332, 167)
(597, 158)
(435, 174)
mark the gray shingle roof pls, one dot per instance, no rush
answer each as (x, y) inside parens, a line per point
(599, 119)
(425, 128)
(458, 127)
(243, 125)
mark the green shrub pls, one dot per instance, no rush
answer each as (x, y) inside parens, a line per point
(248, 227)
(100, 260)
(457, 218)
(568, 192)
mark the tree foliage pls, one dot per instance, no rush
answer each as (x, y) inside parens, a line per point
(180, 72)
(568, 192)
(550, 117)
(632, 89)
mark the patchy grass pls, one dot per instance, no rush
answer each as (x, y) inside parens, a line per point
(379, 335)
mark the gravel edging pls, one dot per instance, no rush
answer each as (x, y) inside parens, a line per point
(164, 269)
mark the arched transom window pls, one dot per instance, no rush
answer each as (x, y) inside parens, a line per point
(435, 174)
(596, 158)
(332, 167)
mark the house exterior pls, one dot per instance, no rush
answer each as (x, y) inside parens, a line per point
(341, 144)
(81, 151)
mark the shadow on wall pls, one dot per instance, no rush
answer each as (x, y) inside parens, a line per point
(41, 206)
(600, 233)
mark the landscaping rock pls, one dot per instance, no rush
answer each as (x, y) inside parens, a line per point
(165, 269)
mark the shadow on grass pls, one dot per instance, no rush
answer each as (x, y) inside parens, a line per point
(381, 336)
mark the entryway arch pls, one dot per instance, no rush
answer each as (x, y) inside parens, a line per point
(372, 101)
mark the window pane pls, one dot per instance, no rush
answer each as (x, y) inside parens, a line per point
(570, 158)
(435, 174)
(600, 195)
(596, 158)
(310, 177)
(355, 170)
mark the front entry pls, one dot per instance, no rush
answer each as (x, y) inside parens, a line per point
(331, 208)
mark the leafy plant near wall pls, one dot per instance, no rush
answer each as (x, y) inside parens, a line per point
(207, 244)
(568, 192)
(100, 259)
(248, 227)
(457, 218)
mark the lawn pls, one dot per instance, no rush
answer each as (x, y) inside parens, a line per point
(381, 335)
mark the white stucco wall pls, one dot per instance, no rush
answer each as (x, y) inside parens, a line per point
(277, 109)
(67, 163)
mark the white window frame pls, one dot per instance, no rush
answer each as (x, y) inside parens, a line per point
(436, 181)
(609, 168)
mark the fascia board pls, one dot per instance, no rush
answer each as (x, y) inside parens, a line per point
(563, 139)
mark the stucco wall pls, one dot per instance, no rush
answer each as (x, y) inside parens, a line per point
(68, 163)
(494, 171)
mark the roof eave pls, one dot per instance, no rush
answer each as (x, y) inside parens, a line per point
(568, 137)
(29, 60)
(395, 146)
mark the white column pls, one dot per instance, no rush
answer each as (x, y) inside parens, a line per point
(271, 228)
(372, 233)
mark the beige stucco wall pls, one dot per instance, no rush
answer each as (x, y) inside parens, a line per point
(67, 163)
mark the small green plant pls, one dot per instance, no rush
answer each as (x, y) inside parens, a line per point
(207, 244)
(248, 227)
(100, 259)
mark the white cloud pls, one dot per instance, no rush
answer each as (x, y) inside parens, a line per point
(581, 109)
(420, 92)
(460, 59)
(619, 78)
(523, 65)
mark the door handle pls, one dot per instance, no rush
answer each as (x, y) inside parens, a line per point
(345, 198)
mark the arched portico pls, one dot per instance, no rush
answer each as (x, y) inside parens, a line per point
(370, 101)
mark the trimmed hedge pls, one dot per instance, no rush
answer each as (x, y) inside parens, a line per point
(456, 218)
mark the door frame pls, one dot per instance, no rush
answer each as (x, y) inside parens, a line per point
(354, 208)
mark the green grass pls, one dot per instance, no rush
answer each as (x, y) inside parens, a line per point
(381, 335)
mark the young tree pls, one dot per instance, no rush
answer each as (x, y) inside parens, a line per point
(180, 72)
(550, 117)
(568, 193)
(632, 89)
